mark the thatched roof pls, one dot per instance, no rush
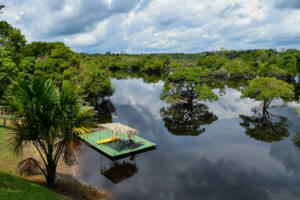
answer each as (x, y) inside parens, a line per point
(117, 127)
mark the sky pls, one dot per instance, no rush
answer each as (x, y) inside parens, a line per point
(146, 26)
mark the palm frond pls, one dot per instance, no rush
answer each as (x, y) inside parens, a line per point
(28, 166)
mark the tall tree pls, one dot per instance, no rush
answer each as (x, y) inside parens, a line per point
(186, 113)
(267, 89)
(48, 118)
(8, 70)
(12, 40)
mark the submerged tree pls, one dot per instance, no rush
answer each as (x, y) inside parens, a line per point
(186, 114)
(186, 87)
(267, 89)
(266, 127)
(49, 119)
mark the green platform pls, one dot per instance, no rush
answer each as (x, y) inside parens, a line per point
(116, 148)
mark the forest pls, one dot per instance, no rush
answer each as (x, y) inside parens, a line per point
(54, 94)
(20, 60)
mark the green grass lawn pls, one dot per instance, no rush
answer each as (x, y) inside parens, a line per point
(7, 159)
(13, 188)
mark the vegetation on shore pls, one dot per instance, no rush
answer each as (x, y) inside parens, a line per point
(12, 187)
(50, 124)
(48, 118)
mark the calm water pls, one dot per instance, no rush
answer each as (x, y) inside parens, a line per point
(223, 160)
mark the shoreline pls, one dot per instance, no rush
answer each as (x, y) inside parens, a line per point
(66, 184)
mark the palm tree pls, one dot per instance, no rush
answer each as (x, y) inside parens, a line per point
(49, 119)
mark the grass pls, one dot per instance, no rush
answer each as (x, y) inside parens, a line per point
(7, 159)
(14, 188)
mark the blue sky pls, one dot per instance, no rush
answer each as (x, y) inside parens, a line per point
(143, 26)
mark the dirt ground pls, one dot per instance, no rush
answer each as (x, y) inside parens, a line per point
(66, 185)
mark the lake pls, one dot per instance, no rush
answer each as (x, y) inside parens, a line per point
(224, 158)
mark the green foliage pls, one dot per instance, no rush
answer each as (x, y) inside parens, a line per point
(288, 61)
(238, 68)
(272, 70)
(47, 69)
(186, 86)
(8, 70)
(27, 68)
(48, 118)
(12, 188)
(212, 62)
(12, 40)
(96, 85)
(268, 88)
(153, 65)
(53, 60)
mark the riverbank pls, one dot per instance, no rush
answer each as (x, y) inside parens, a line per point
(67, 186)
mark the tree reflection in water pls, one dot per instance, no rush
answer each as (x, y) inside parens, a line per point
(105, 111)
(119, 170)
(185, 115)
(265, 126)
(186, 119)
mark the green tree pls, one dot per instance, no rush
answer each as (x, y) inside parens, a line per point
(272, 70)
(186, 113)
(186, 87)
(8, 70)
(238, 68)
(153, 65)
(48, 118)
(266, 89)
(27, 68)
(213, 62)
(12, 40)
(288, 61)
(96, 85)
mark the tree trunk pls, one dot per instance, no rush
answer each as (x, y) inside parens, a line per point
(265, 106)
(51, 174)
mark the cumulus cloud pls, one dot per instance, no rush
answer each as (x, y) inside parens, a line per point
(137, 26)
(287, 4)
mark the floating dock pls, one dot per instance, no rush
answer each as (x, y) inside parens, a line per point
(119, 147)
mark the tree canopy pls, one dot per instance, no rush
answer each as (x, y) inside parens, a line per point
(186, 114)
(49, 119)
(186, 86)
(267, 89)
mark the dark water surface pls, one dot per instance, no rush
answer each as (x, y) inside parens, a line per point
(223, 159)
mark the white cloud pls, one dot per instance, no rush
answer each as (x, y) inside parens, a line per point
(159, 25)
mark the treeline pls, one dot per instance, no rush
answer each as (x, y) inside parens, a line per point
(56, 61)
(283, 64)
(49, 60)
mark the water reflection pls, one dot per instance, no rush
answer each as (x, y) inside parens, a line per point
(224, 163)
(265, 126)
(186, 118)
(223, 84)
(118, 170)
(105, 111)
